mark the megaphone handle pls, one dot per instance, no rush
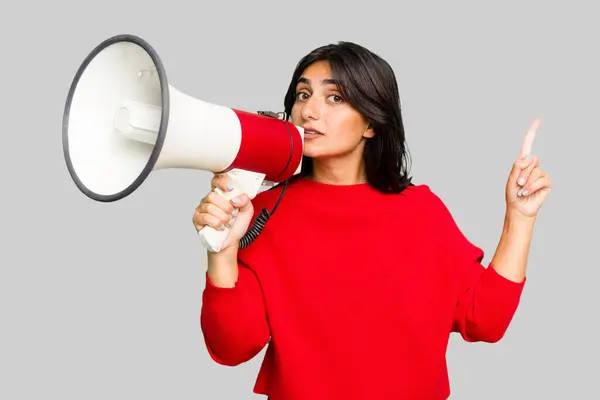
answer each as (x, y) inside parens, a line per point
(243, 182)
(212, 238)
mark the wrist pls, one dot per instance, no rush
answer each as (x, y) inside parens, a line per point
(517, 222)
(227, 256)
(223, 267)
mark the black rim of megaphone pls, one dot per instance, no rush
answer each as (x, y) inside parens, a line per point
(164, 87)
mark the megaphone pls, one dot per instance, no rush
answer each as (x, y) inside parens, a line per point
(122, 120)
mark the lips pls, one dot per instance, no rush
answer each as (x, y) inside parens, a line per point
(309, 131)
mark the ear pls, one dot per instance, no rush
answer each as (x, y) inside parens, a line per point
(369, 132)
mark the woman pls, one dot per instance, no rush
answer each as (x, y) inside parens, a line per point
(359, 278)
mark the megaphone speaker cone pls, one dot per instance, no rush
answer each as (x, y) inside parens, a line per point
(105, 164)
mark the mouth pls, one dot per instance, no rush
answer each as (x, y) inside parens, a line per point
(312, 133)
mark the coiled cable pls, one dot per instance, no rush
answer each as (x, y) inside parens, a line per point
(259, 223)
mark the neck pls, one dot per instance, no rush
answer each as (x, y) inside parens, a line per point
(339, 171)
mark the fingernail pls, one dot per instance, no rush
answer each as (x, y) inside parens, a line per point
(234, 213)
(235, 200)
(529, 157)
(222, 227)
(229, 187)
(230, 223)
(524, 193)
(521, 181)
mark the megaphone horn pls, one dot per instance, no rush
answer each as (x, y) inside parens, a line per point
(122, 120)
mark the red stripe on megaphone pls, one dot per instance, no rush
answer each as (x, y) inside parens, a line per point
(268, 145)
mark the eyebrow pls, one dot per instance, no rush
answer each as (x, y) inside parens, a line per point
(324, 82)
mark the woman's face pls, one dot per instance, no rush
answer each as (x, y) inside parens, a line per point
(332, 127)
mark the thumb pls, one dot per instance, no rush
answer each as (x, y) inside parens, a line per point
(245, 212)
(520, 165)
(242, 217)
(243, 204)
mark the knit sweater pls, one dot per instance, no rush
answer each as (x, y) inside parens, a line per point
(355, 294)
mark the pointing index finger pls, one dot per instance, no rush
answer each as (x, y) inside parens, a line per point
(528, 139)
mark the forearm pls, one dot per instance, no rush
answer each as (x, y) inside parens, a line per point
(490, 299)
(510, 258)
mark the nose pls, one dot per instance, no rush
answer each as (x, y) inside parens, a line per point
(310, 110)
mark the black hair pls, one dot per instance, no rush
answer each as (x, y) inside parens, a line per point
(368, 83)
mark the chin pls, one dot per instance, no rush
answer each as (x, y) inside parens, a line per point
(322, 151)
(314, 151)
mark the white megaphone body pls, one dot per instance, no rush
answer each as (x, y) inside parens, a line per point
(122, 120)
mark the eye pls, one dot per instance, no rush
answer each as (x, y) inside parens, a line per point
(336, 99)
(301, 96)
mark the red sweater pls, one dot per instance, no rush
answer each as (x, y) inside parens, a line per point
(355, 293)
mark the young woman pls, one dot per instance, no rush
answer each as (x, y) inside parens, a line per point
(359, 278)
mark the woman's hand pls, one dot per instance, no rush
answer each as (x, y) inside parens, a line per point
(528, 186)
(218, 212)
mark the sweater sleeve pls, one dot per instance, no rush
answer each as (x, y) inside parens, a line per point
(486, 304)
(233, 320)
(485, 300)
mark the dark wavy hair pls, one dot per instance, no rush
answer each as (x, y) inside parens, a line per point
(368, 83)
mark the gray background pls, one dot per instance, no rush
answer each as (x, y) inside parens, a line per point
(101, 301)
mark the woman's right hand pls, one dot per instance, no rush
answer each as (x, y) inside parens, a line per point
(218, 212)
